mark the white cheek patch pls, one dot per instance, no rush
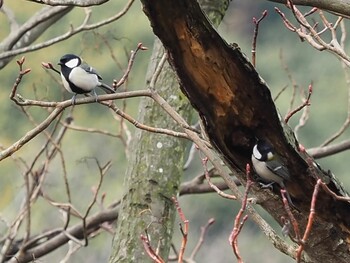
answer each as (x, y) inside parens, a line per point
(72, 63)
(256, 153)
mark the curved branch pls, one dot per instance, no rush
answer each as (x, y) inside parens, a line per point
(337, 7)
(59, 107)
(70, 33)
(81, 3)
(320, 152)
(42, 244)
(32, 133)
(30, 31)
(77, 231)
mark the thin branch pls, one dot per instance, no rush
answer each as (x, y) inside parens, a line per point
(28, 32)
(308, 33)
(102, 172)
(305, 104)
(90, 130)
(291, 79)
(117, 84)
(204, 230)
(255, 36)
(292, 219)
(206, 173)
(59, 108)
(61, 238)
(324, 151)
(73, 31)
(184, 230)
(240, 219)
(81, 3)
(310, 221)
(334, 195)
(146, 127)
(149, 250)
(14, 25)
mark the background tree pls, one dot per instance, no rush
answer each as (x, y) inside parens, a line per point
(49, 159)
(147, 207)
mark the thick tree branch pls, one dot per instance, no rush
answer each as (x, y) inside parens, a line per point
(236, 107)
(44, 247)
(7, 50)
(42, 244)
(320, 152)
(81, 3)
(338, 7)
(31, 30)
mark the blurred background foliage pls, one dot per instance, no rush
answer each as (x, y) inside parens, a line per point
(328, 111)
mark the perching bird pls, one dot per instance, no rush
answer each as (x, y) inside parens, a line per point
(79, 78)
(268, 165)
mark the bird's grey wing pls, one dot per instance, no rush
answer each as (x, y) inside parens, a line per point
(90, 69)
(276, 167)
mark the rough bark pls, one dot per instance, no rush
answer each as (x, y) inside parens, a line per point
(155, 167)
(153, 176)
(235, 105)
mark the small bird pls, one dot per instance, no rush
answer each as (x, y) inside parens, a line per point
(268, 165)
(79, 78)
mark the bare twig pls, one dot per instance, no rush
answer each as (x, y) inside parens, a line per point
(102, 171)
(73, 31)
(184, 229)
(117, 84)
(310, 221)
(324, 151)
(240, 219)
(81, 3)
(204, 230)
(59, 237)
(256, 30)
(149, 250)
(206, 173)
(310, 34)
(305, 104)
(291, 217)
(334, 195)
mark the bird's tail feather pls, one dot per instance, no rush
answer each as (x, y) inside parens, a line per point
(106, 88)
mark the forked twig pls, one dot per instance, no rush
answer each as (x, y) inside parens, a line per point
(240, 219)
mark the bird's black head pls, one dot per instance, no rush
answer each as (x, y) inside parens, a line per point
(70, 61)
(263, 151)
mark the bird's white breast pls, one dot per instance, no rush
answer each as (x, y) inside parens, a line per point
(264, 172)
(66, 84)
(80, 78)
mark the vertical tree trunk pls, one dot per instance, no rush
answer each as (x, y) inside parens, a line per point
(155, 166)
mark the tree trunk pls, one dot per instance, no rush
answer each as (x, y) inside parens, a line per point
(236, 107)
(155, 167)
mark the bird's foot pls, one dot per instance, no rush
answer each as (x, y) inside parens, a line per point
(73, 99)
(96, 99)
(269, 185)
